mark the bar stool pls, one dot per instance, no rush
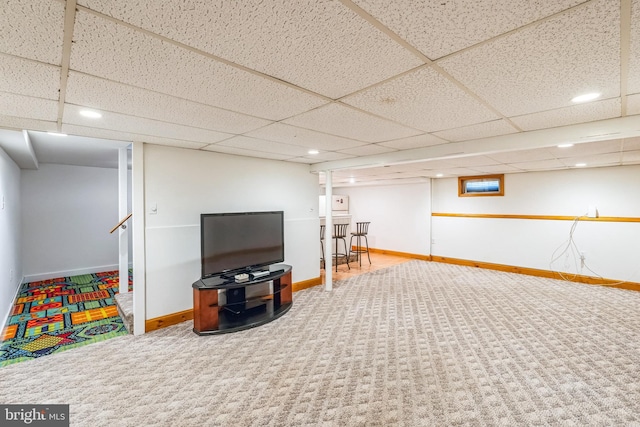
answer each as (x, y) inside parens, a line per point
(340, 233)
(322, 228)
(362, 228)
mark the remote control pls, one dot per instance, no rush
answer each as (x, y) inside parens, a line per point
(241, 277)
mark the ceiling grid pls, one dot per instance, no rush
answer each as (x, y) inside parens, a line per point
(424, 88)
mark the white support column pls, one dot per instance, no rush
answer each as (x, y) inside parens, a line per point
(328, 232)
(138, 223)
(123, 234)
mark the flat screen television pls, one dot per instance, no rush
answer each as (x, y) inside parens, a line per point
(240, 242)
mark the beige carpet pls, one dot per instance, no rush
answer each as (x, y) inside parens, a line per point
(417, 344)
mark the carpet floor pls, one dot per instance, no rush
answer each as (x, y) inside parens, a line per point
(417, 344)
(59, 314)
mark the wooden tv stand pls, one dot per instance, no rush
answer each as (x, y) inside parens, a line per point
(240, 312)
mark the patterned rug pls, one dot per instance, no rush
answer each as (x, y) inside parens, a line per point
(59, 314)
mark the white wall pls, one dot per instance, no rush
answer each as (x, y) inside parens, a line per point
(10, 243)
(399, 215)
(185, 183)
(611, 249)
(67, 212)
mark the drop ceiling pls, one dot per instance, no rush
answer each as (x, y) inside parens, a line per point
(384, 91)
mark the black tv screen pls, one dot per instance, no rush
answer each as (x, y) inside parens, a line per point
(240, 241)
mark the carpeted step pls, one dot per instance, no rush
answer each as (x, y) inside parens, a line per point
(124, 302)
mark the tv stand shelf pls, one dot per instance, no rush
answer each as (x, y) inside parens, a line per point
(240, 312)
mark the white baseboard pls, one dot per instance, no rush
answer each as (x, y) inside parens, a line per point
(66, 273)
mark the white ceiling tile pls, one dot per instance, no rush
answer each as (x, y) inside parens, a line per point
(76, 150)
(25, 77)
(262, 145)
(438, 28)
(481, 130)
(106, 49)
(609, 159)
(159, 91)
(547, 64)
(367, 150)
(580, 113)
(32, 29)
(13, 122)
(376, 170)
(382, 170)
(305, 160)
(404, 175)
(410, 167)
(245, 152)
(423, 99)
(364, 171)
(341, 120)
(341, 173)
(139, 125)
(396, 181)
(156, 140)
(472, 161)
(437, 174)
(455, 172)
(631, 144)
(633, 85)
(293, 135)
(107, 95)
(437, 164)
(633, 104)
(496, 169)
(631, 157)
(329, 43)
(128, 136)
(522, 155)
(28, 107)
(72, 141)
(587, 149)
(418, 141)
(536, 165)
(330, 156)
(366, 178)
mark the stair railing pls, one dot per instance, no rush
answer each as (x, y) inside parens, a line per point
(121, 223)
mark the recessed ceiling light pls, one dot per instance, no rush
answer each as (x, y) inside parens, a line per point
(56, 134)
(352, 180)
(439, 175)
(581, 165)
(313, 152)
(567, 145)
(90, 114)
(586, 97)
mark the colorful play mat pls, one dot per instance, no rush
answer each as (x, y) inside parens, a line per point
(59, 314)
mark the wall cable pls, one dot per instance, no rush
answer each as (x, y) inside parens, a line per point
(571, 248)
